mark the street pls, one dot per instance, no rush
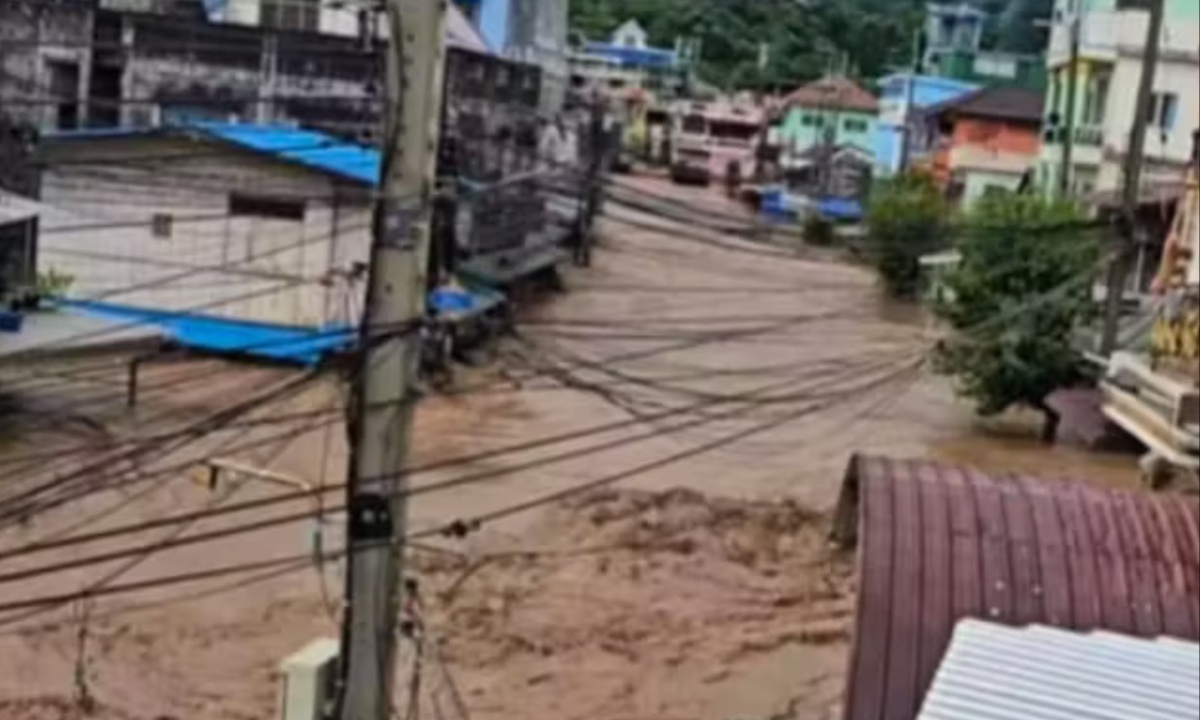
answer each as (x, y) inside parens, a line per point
(731, 382)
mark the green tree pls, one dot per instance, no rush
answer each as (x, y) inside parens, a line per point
(1022, 288)
(908, 218)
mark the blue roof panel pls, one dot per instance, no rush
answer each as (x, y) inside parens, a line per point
(312, 149)
(634, 57)
(304, 147)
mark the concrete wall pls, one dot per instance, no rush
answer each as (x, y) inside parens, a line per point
(1181, 79)
(537, 34)
(33, 38)
(101, 230)
(978, 183)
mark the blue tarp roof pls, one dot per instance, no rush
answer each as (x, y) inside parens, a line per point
(312, 149)
(301, 345)
(303, 147)
(634, 57)
(305, 346)
(840, 209)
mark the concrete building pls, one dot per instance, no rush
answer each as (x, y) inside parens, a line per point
(527, 31)
(951, 28)
(832, 111)
(248, 228)
(627, 61)
(1112, 45)
(134, 63)
(984, 142)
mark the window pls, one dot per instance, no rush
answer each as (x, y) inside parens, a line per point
(291, 14)
(811, 120)
(1096, 100)
(694, 124)
(855, 126)
(258, 206)
(1163, 111)
(161, 225)
(64, 86)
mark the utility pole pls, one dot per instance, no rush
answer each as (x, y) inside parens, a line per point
(390, 346)
(1134, 159)
(910, 97)
(1074, 29)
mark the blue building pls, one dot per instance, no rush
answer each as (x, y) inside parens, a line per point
(895, 92)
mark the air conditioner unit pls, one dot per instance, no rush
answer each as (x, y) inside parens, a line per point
(309, 679)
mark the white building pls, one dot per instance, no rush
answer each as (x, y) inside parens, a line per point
(1112, 45)
(626, 61)
(240, 226)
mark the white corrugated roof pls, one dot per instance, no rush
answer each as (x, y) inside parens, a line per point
(995, 672)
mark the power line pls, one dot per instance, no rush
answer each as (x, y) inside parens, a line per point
(747, 402)
(453, 528)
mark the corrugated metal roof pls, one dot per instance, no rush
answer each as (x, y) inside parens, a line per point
(994, 672)
(938, 544)
(304, 147)
(310, 148)
(999, 103)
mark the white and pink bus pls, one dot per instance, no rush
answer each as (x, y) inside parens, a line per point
(708, 139)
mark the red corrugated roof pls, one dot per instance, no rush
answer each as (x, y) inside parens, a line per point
(938, 544)
(833, 92)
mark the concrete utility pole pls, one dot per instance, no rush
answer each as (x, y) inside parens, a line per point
(910, 98)
(1075, 29)
(384, 394)
(1134, 159)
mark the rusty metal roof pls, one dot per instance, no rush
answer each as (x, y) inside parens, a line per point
(938, 544)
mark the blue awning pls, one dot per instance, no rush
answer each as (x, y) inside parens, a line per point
(304, 346)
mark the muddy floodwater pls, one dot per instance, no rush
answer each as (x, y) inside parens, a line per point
(710, 392)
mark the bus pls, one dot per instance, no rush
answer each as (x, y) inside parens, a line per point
(712, 140)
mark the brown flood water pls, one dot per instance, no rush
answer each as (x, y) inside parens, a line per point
(678, 595)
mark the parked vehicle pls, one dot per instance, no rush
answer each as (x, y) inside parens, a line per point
(710, 139)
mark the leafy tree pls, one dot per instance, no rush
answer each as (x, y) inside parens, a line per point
(1021, 289)
(908, 218)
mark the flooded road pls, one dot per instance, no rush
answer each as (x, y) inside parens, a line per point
(710, 390)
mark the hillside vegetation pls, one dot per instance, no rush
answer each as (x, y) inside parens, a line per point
(868, 38)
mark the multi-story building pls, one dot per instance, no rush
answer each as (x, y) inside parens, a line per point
(984, 142)
(1112, 43)
(950, 29)
(527, 31)
(625, 62)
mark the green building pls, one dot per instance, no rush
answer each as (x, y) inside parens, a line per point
(991, 68)
(834, 111)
